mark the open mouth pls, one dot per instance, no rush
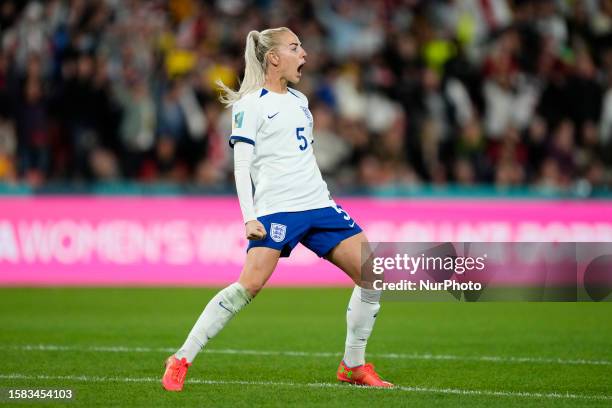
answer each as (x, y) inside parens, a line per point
(299, 69)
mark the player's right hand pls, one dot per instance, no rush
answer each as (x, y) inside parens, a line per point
(255, 230)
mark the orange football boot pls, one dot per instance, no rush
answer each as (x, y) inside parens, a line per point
(361, 375)
(176, 371)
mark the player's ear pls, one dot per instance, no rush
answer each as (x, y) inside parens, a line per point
(273, 58)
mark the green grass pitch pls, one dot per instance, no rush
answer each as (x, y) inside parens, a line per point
(108, 345)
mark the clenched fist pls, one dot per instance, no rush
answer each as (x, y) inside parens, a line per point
(255, 230)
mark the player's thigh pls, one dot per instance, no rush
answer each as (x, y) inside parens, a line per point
(258, 267)
(348, 257)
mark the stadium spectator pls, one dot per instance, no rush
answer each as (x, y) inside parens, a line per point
(505, 92)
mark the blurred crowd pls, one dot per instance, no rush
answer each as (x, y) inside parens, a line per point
(509, 93)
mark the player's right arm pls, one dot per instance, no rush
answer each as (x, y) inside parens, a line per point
(244, 132)
(243, 156)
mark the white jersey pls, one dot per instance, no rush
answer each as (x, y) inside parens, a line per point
(284, 170)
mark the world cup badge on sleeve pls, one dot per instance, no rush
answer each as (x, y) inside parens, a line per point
(238, 119)
(277, 232)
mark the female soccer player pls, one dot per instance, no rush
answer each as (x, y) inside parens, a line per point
(272, 141)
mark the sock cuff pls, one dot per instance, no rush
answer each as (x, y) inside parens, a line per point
(368, 295)
(241, 291)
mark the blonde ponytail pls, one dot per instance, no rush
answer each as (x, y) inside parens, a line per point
(258, 44)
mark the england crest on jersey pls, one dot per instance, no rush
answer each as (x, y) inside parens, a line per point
(308, 115)
(277, 232)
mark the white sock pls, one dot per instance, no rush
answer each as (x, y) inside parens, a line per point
(360, 317)
(221, 308)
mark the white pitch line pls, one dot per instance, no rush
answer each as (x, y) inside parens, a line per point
(290, 353)
(415, 389)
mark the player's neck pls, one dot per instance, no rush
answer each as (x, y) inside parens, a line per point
(275, 84)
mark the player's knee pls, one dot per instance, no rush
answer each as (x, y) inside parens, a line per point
(355, 274)
(253, 284)
(254, 277)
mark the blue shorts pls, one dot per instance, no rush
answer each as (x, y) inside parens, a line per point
(319, 230)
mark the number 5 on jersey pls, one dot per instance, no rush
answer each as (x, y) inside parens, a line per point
(303, 141)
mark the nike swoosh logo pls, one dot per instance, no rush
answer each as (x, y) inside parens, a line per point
(352, 224)
(221, 304)
(270, 117)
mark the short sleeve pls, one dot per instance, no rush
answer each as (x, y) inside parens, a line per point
(245, 119)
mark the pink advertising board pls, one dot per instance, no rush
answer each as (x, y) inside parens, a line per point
(199, 241)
